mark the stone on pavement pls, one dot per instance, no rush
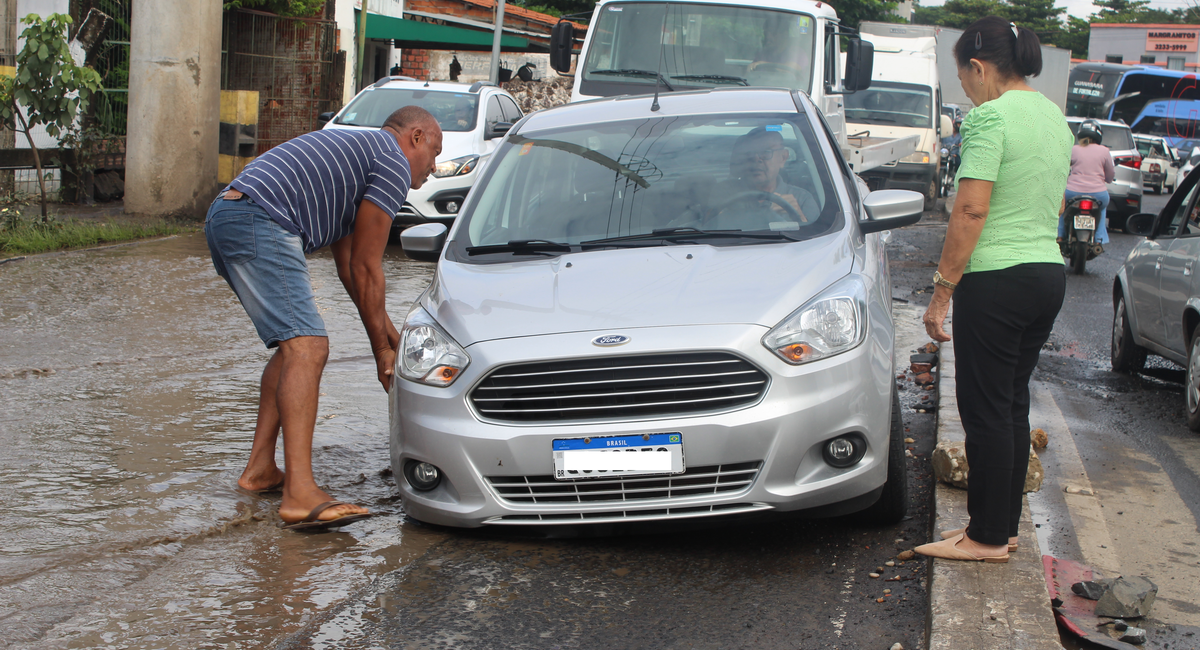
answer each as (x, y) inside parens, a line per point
(1119, 625)
(1039, 439)
(1135, 635)
(1127, 598)
(950, 466)
(1035, 473)
(1090, 589)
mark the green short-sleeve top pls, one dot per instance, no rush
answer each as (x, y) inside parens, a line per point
(1021, 142)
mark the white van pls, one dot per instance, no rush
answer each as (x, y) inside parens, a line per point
(904, 99)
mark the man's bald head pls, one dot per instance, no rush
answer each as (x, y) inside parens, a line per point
(411, 116)
(420, 138)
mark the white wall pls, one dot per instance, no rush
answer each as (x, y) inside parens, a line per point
(42, 8)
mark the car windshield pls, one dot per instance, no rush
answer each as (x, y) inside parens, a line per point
(454, 111)
(718, 180)
(702, 45)
(891, 103)
(1115, 137)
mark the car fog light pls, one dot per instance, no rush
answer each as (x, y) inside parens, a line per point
(422, 476)
(452, 207)
(844, 451)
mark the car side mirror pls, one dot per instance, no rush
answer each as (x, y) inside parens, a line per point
(498, 130)
(424, 243)
(324, 118)
(947, 126)
(1141, 223)
(562, 42)
(860, 57)
(889, 209)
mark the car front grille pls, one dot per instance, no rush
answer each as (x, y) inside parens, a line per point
(626, 516)
(696, 481)
(611, 388)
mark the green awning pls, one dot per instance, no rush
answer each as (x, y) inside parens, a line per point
(413, 34)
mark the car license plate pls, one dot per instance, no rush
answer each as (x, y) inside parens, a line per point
(604, 457)
(1085, 222)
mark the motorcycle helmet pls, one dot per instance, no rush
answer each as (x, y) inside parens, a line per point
(1091, 129)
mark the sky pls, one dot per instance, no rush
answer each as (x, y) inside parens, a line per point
(1084, 8)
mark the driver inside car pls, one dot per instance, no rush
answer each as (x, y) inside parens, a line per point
(766, 200)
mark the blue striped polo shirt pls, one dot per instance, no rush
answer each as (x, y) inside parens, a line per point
(312, 184)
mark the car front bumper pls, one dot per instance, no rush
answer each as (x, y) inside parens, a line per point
(781, 436)
(437, 201)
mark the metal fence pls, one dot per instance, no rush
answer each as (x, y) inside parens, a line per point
(111, 107)
(289, 61)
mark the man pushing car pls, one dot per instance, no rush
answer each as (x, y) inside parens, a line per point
(336, 188)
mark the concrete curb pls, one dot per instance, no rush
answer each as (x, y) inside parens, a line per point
(974, 605)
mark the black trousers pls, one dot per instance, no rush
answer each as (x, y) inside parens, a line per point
(1001, 320)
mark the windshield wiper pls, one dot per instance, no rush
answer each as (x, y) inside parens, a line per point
(712, 77)
(684, 235)
(522, 247)
(634, 72)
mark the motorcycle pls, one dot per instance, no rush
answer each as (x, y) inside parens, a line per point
(950, 162)
(1080, 218)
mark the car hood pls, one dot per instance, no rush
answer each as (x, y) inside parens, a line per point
(459, 143)
(622, 289)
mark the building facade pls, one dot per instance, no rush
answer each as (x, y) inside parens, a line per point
(1173, 47)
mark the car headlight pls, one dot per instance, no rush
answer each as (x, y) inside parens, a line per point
(456, 167)
(830, 324)
(916, 157)
(427, 354)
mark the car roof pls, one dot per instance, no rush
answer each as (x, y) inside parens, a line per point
(445, 86)
(697, 102)
(1104, 123)
(807, 6)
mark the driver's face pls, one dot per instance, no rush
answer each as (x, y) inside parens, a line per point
(757, 161)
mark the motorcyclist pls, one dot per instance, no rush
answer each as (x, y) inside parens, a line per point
(951, 142)
(1091, 172)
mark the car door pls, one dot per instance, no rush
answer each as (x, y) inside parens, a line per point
(1144, 266)
(1177, 279)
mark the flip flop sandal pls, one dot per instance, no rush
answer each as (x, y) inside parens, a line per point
(947, 550)
(947, 534)
(311, 524)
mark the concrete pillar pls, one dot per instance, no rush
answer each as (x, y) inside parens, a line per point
(174, 107)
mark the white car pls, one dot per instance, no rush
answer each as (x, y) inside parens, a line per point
(1192, 160)
(473, 118)
(1160, 165)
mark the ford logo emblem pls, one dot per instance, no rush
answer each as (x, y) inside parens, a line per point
(609, 340)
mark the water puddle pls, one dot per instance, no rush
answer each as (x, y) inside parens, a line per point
(128, 378)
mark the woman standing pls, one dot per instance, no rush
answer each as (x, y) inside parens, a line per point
(1002, 266)
(1091, 172)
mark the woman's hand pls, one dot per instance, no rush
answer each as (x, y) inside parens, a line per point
(935, 315)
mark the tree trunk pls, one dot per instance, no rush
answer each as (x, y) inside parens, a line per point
(37, 162)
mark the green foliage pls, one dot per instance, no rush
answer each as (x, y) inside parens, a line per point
(30, 237)
(853, 12)
(1075, 37)
(286, 8)
(51, 87)
(558, 7)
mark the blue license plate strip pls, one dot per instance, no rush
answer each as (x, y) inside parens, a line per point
(613, 456)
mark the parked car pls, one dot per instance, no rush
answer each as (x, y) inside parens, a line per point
(606, 287)
(954, 112)
(473, 119)
(1183, 148)
(1125, 192)
(1156, 295)
(1160, 166)
(1190, 163)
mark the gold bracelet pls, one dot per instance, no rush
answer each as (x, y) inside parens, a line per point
(938, 279)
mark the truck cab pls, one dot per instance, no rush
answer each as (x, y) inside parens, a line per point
(646, 46)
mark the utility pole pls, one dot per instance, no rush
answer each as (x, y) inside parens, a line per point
(499, 31)
(362, 46)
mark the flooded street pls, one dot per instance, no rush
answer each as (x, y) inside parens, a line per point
(129, 378)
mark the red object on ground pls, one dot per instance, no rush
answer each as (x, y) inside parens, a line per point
(1077, 614)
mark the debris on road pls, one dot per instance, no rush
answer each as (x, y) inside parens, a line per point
(1038, 439)
(922, 363)
(1090, 589)
(1133, 635)
(950, 466)
(1072, 489)
(1127, 598)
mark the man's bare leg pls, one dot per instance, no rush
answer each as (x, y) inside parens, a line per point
(261, 472)
(302, 359)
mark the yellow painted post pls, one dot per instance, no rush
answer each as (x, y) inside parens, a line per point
(239, 132)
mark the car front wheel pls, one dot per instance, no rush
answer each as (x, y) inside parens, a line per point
(1127, 356)
(1193, 381)
(893, 502)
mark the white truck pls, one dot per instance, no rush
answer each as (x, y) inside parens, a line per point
(904, 99)
(639, 47)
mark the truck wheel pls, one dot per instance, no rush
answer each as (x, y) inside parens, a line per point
(1192, 388)
(1127, 356)
(893, 502)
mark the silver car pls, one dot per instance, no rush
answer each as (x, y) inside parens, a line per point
(1156, 295)
(655, 309)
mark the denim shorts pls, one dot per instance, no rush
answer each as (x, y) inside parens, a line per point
(264, 264)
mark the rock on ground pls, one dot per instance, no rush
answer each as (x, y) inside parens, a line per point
(1127, 598)
(1039, 439)
(950, 466)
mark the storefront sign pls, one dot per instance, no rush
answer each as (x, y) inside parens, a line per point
(1171, 40)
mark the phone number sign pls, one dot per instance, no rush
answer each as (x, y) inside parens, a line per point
(1171, 40)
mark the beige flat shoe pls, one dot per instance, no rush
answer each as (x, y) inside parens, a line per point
(948, 549)
(947, 534)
